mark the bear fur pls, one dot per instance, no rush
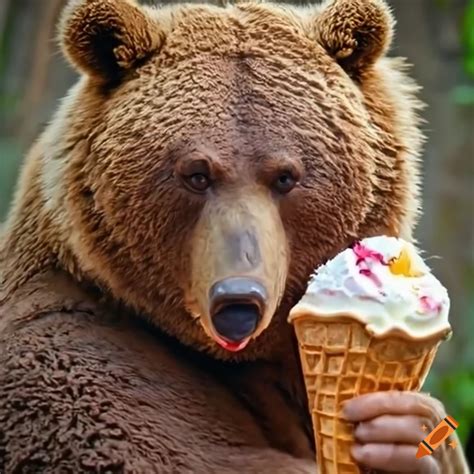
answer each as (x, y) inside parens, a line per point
(106, 359)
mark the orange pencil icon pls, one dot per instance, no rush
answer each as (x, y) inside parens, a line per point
(446, 426)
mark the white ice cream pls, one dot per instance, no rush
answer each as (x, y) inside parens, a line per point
(384, 283)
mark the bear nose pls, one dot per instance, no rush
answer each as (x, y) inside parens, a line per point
(237, 305)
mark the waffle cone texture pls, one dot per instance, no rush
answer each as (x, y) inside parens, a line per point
(341, 360)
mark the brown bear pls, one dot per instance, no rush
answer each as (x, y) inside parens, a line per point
(168, 218)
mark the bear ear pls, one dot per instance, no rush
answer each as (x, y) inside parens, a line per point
(105, 38)
(355, 32)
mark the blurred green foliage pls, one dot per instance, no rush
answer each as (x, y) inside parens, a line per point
(10, 153)
(464, 94)
(456, 389)
(10, 157)
(467, 38)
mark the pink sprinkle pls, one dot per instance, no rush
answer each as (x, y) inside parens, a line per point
(372, 276)
(364, 253)
(429, 305)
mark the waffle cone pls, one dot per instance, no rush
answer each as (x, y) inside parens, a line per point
(341, 360)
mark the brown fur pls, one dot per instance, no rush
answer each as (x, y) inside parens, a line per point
(251, 89)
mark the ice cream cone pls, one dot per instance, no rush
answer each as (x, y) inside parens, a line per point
(341, 360)
(371, 320)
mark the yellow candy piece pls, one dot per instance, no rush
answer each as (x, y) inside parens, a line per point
(403, 266)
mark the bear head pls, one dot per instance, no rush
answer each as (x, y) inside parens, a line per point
(210, 158)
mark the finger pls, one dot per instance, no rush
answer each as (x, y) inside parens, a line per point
(394, 458)
(393, 402)
(393, 429)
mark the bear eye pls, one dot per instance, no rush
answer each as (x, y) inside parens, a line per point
(284, 183)
(198, 182)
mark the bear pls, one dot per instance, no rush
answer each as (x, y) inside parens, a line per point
(208, 159)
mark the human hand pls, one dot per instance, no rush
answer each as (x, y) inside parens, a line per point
(389, 427)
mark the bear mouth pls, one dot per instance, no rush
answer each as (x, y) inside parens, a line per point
(235, 322)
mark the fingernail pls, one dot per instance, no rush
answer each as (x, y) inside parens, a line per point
(346, 410)
(358, 428)
(357, 452)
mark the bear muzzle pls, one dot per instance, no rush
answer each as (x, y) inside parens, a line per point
(239, 264)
